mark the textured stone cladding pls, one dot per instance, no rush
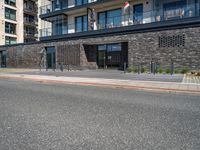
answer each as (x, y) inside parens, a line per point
(142, 49)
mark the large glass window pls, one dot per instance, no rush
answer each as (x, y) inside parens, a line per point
(10, 40)
(29, 30)
(60, 27)
(109, 19)
(10, 14)
(138, 13)
(59, 4)
(174, 10)
(109, 55)
(29, 18)
(10, 28)
(10, 2)
(81, 23)
(81, 2)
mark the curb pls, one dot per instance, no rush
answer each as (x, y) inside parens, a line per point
(144, 88)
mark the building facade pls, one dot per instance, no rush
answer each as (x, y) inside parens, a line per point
(113, 34)
(18, 21)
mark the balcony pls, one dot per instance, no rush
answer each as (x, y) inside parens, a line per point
(47, 9)
(32, 35)
(155, 19)
(30, 22)
(30, 9)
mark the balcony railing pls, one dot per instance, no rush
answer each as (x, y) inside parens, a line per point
(153, 16)
(31, 9)
(55, 7)
(30, 34)
(32, 22)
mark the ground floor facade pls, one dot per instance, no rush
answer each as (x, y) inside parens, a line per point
(180, 47)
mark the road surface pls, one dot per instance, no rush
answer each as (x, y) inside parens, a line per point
(36, 116)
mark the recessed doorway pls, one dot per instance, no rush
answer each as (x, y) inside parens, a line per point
(112, 56)
(51, 57)
(3, 55)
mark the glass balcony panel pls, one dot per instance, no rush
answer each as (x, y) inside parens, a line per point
(113, 19)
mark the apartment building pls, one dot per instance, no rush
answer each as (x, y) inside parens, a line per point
(18, 21)
(113, 34)
(30, 11)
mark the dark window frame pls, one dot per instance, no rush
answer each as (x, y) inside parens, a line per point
(82, 23)
(106, 15)
(81, 1)
(9, 39)
(9, 30)
(8, 2)
(8, 11)
(142, 16)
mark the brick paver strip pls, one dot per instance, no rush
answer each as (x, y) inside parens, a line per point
(114, 83)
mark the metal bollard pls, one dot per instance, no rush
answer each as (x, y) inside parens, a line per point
(172, 68)
(61, 67)
(138, 69)
(124, 67)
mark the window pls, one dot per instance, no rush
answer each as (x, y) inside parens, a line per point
(81, 2)
(60, 27)
(10, 14)
(109, 19)
(10, 28)
(114, 47)
(174, 10)
(59, 4)
(81, 23)
(29, 30)
(29, 18)
(138, 13)
(10, 2)
(10, 40)
(64, 3)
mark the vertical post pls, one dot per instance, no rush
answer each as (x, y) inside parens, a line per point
(45, 60)
(138, 68)
(154, 68)
(61, 67)
(172, 67)
(104, 61)
(124, 67)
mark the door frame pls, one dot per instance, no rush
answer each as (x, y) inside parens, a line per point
(5, 59)
(53, 57)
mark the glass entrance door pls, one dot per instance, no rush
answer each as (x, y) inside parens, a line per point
(51, 57)
(109, 55)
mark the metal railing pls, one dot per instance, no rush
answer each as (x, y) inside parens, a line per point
(30, 34)
(55, 7)
(32, 9)
(158, 15)
(30, 21)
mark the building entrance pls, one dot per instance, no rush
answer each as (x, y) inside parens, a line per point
(111, 56)
(51, 57)
(3, 59)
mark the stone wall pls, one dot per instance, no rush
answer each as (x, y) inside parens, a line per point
(142, 49)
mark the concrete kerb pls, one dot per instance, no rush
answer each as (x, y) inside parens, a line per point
(110, 83)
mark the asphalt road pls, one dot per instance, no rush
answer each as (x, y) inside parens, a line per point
(35, 116)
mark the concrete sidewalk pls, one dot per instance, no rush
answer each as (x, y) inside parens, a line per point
(114, 83)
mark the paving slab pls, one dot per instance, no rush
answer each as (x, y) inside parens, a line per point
(109, 74)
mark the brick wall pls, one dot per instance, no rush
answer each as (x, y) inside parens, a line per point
(142, 48)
